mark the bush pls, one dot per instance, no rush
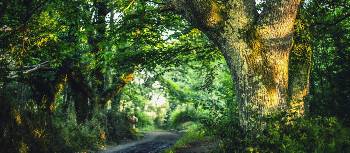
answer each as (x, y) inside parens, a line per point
(82, 137)
(118, 126)
(194, 133)
(92, 135)
(317, 134)
(314, 134)
(143, 120)
(182, 115)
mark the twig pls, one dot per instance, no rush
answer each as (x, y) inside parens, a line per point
(132, 2)
(36, 67)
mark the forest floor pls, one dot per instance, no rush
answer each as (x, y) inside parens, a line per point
(152, 142)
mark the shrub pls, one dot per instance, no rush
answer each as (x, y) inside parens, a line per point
(318, 134)
(309, 134)
(182, 115)
(194, 133)
(118, 126)
(81, 137)
(143, 120)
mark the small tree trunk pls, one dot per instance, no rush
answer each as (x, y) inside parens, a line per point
(299, 70)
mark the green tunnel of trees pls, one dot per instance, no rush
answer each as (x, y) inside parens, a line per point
(258, 76)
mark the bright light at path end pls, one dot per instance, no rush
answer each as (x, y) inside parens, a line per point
(158, 99)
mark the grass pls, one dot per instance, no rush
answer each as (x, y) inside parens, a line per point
(194, 133)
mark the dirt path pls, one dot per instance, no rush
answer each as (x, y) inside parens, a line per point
(153, 142)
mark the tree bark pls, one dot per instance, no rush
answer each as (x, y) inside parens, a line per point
(82, 96)
(256, 48)
(300, 69)
(96, 37)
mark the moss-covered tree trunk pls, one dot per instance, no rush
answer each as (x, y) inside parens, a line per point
(300, 68)
(256, 47)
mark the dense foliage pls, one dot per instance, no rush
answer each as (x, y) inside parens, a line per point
(73, 73)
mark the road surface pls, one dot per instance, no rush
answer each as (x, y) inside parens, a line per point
(153, 142)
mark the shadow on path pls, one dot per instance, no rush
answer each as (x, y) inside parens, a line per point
(153, 142)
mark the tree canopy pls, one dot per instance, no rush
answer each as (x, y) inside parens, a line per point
(247, 75)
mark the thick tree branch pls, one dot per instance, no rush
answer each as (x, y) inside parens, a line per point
(204, 14)
(113, 91)
(277, 19)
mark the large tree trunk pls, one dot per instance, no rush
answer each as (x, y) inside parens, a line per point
(255, 46)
